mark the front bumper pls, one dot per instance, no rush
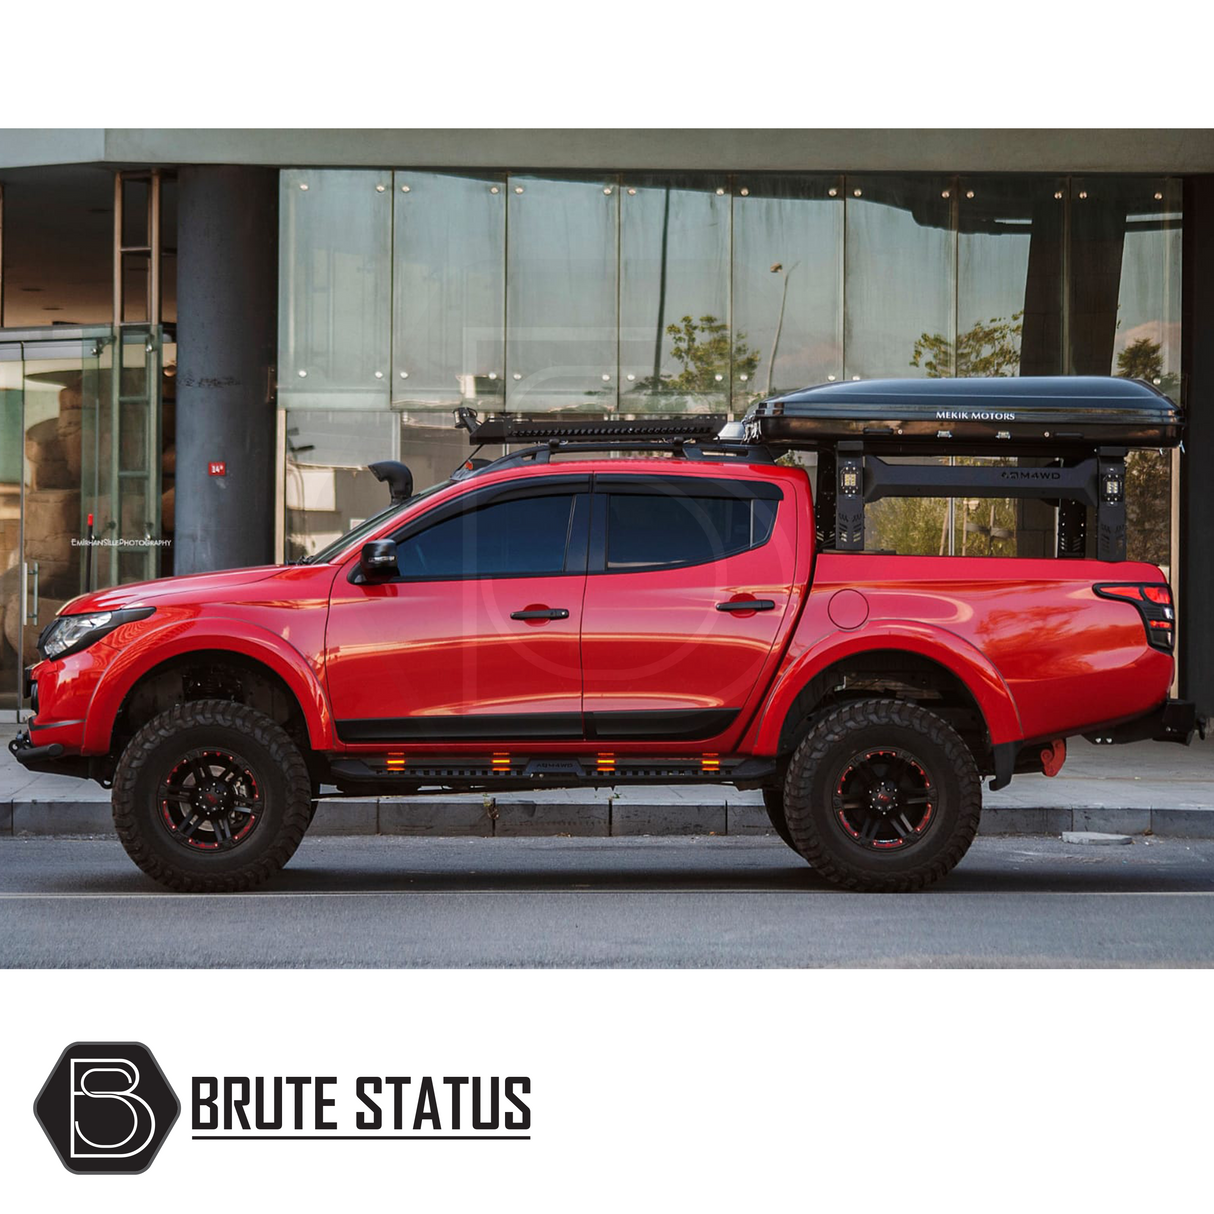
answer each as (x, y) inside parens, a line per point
(1171, 721)
(49, 758)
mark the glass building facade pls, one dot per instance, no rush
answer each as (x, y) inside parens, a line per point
(404, 294)
(87, 397)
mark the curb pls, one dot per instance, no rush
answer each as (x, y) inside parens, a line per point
(435, 816)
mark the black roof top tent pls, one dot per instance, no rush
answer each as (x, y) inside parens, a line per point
(1078, 428)
(998, 416)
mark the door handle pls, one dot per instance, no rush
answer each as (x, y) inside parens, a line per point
(31, 613)
(748, 605)
(545, 613)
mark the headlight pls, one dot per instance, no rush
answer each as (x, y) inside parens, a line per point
(68, 634)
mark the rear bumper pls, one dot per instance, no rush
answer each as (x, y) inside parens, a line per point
(1171, 721)
(50, 758)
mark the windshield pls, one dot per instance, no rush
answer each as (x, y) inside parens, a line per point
(368, 527)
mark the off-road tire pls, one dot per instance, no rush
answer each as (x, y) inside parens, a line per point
(773, 802)
(809, 787)
(286, 796)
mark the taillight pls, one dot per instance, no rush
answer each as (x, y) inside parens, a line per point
(1154, 603)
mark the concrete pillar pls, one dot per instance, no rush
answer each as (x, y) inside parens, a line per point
(1097, 247)
(227, 334)
(1196, 632)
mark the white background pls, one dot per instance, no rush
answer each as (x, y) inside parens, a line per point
(698, 1091)
(732, 1091)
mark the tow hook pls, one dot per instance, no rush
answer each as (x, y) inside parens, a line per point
(1053, 757)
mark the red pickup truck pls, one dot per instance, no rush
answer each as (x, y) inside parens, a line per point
(606, 619)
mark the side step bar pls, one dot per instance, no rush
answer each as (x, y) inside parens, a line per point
(512, 771)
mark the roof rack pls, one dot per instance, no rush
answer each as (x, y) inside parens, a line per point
(671, 427)
(690, 436)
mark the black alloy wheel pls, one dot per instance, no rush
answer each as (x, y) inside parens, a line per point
(210, 800)
(884, 799)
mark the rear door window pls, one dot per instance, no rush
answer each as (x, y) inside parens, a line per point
(656, 530)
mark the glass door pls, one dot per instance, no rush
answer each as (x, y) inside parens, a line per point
(123, 465)
(49, 403)
(11, 602)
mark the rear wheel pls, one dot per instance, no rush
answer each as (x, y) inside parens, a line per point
(211, 796)
(882, 795)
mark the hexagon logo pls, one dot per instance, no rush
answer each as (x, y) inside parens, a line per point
(106, 1107)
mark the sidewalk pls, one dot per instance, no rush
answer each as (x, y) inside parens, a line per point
(1147, 787)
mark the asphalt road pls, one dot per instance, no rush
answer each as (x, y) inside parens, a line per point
(707, 902)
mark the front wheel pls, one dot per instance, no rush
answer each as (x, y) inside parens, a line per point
(211, 796)
(882, 795)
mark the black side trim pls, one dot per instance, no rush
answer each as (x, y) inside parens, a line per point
(577, 543)
(496, 727)
(663, 724)
(596, 561)
(685, 486)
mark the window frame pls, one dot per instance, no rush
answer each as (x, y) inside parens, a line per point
(649, 485)
(577, 487)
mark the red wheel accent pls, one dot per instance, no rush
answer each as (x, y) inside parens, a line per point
(210, 800)
(884, 800)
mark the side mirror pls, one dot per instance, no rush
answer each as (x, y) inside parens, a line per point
(377, 560)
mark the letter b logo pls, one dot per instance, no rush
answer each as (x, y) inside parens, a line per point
(119, 1122)
(106, 1107)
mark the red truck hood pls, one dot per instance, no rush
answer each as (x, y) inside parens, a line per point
(190, 588)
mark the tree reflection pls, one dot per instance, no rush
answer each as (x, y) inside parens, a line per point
(990, 348)
(1148, 496)
(706, 353)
